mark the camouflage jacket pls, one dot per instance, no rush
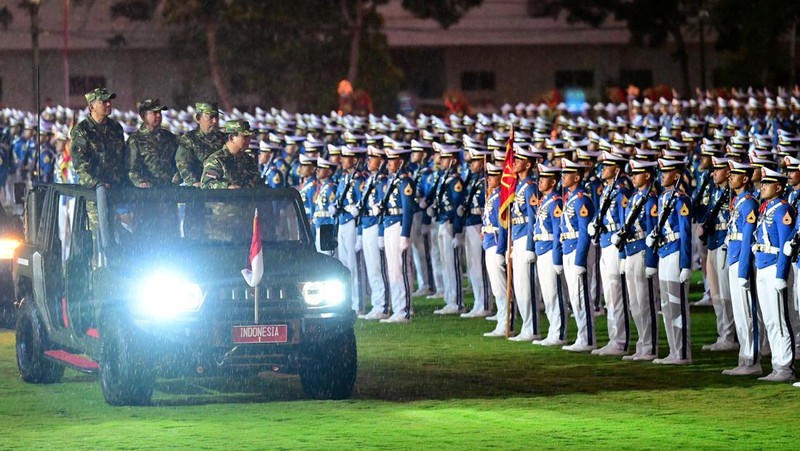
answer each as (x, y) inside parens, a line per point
(193, 149)
(151, 156)
(98, 152)
(222, 169)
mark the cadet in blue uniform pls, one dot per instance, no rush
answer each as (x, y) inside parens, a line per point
(472, 211)
(398, 217)
(641, 261)
(495, 261)
(325, 198)
(449, 195)
(308, 185)
(370, 231)
(578, 213)
(741, 229)
(547, 243)
(270, 163)
(713, 231)
(421, 243)
(672, 238)
(347, 198)
(773, 230)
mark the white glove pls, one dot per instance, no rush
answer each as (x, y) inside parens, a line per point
(580, 270)
(458, 240)
(744, 283)
(559, 269)
(352, 209)
(591, 229)
(460, 210)
(787, 248)
(530, 257)
(430, 212)
(331, 209)
(650, 241)
(650, 272)
(621, 266)
(381, 245)
(405, 243)
(359, 244)
(686, 274)
(615, 239)
(423, 204)
(780, 284)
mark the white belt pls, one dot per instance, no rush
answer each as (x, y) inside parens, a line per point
(322, 214)
(638, 236)
(394, 211)
(613, 227)
(735, 236)
(476, 211)
(766, 249)
(543, 237)
(569, 236)
(518, 221)
(488, 229)
(719, 227)
(670, 237)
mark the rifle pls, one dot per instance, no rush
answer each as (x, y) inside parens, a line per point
(340, 200)
(598, 220)
(709, 222)
(699, 198)
(362, 204)
(656, 233)
(470, 196)
(387, 196)
(627, 229)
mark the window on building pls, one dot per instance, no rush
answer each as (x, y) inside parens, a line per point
(637, 77)
(574, 79)
(80, 84)
(477, 81)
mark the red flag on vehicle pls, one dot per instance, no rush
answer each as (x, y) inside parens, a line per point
(255, 263)
(508, 182)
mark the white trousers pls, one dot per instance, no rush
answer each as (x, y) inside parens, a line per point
(437, 262)
(496, 269)
(745, 318)
(346, 238)
(582, 308)
(451, 267)
(476, 268)
(720, 288)
(616, 310)
(675, 307)
(420, 243)
(398, 269)
(374, 259)
(554, 307)
(775, 310)
(642, 298)
(521, 275)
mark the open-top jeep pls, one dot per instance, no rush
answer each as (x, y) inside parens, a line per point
(156, 290)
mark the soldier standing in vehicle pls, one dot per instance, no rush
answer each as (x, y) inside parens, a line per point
(151, 149)
(98, 145)
(194, 147)
(229, 167)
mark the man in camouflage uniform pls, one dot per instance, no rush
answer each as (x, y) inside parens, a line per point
(151, 149)
(229, 167)
(194, 147)
(98, 145)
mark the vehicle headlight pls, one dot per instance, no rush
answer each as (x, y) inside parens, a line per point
(7, 247)
(165, 295)
(323, 294)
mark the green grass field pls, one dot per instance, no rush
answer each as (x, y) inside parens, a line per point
(433, 383)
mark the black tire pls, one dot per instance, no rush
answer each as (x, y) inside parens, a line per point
(127, 375)
(32, 342)
(328, 369)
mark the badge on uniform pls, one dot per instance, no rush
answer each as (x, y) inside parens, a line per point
(458, 187)
(624, 201)
(276, 179)
(685, 210)
(654, 211)
(409, 190)
(584, 212)
(534, 201)
(787, 219)
(751, 218)
(332, 197)
(557, 212)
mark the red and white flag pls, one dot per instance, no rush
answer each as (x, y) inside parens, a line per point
(508, 183)
(255, 263)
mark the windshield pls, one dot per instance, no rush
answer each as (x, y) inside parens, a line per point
(205, 221)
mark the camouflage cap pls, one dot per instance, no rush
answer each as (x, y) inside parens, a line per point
(99, 94)
(149, 105)
(206, 108)
(239, 126)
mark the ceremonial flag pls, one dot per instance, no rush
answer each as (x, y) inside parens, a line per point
(255, 264)
(508, 182)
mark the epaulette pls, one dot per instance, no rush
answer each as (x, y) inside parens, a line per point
(749, 196)
(580, 194)
(529, 181)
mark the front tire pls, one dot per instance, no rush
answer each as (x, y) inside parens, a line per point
(329, 369)
(127, 375)
(31, 343)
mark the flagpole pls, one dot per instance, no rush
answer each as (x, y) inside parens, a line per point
(255, 302)
(508, 279)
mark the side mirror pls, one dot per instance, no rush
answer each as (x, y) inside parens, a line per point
(327, 237)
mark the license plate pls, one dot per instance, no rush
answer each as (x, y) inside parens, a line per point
(270, 333)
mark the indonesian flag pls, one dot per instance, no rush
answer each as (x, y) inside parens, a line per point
(255, 264)
(508, 182)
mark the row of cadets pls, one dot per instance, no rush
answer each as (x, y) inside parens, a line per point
(495, 261)
(348, 191)
(608, 220)
(672, 239)
(397, 210)
(523, 255)
(641, 261)
(449, 195)
(324, 198)
(422, 174)
(472, 212)
(370, 235)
